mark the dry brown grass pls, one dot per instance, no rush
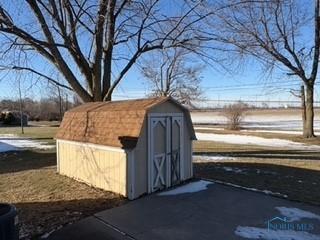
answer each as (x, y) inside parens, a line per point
(219, 147)
(46, 200)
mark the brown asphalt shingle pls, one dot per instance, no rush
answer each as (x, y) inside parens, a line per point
(104, 122)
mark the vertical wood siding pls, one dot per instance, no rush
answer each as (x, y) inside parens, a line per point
(101, 167)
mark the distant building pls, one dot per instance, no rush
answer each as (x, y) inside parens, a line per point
(13, 118)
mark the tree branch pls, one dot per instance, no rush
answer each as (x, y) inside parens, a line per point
(42, 75)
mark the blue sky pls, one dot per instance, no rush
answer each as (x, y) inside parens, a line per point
(250, 83)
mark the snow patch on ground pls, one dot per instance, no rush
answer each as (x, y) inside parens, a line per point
(291, 214)
(273, 131)
(188, 188)
(289, 132)
(209, 128)
(215, 158)
(279, 125)
(268, 234)
(231, 169)
(252, 140)
(10, 142)
(296, 214)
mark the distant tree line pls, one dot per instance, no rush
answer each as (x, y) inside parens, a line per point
(46, 109)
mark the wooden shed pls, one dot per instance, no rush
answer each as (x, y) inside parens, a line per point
(129, 147)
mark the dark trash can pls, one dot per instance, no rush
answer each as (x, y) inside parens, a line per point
(8, 222)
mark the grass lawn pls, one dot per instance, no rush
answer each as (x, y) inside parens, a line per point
(44, 199)
(43, 134)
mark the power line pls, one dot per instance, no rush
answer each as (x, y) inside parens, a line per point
(256, 85)
(247, 86)
(255, 101)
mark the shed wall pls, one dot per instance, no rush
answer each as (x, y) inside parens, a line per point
(100, 166)
(141, 163)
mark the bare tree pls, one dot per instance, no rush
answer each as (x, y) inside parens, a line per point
(172, 73)
(92, 43)
(235, 114)
(56, 93)
(282, 34)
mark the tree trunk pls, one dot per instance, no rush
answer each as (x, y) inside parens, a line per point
(303, 106)
(96, 88)
(308, 131)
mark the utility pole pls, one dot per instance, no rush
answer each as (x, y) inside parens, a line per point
(60, 104)
(20, 105)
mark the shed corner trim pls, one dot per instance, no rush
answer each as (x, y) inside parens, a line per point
(92, 145)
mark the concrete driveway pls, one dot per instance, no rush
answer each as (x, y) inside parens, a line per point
(218, 212)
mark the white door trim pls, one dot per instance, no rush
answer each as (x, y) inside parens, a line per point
(165, 115)
(191, 156)
(180, 122)
(168, 155)
(159, 165)
(150, 150)
(152, 122)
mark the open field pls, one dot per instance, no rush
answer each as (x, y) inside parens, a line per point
(272, 119)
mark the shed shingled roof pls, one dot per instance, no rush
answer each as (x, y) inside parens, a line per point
(104, 123)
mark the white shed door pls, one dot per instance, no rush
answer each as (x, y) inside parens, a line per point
(165, 151)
